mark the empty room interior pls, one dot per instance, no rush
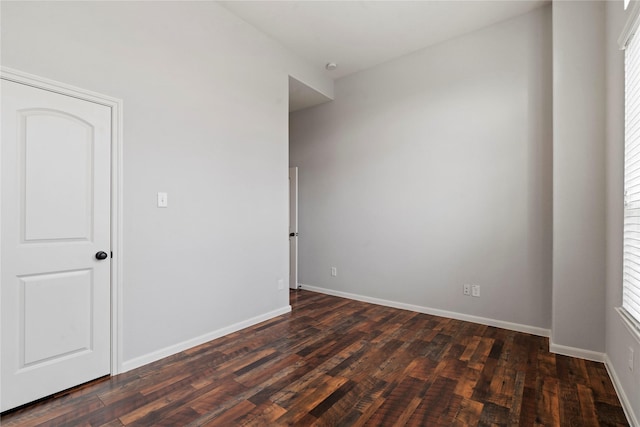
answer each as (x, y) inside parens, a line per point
(320, 213)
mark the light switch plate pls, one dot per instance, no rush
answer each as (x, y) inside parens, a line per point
(162, 200)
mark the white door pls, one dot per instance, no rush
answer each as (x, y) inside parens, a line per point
(293, 228)
(55, 218)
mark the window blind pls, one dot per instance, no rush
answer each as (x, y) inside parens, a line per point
(631, 266)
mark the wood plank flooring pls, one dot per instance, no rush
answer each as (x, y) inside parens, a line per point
(338, 362)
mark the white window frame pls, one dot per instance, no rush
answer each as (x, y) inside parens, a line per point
(630, 309)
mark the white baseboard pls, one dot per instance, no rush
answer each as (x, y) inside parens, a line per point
(177, 348)
(533, 330)
(626, 405)
(576, 352)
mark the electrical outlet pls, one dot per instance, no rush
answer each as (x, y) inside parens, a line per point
(475, 290)
(466, 289)
(630, 361)
(334, 271)
(280, 284)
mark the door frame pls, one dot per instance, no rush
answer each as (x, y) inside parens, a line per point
(115, 104)
(293, 173)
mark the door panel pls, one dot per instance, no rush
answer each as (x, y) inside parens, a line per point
(55, 215)
(64, 299)
(50, 214)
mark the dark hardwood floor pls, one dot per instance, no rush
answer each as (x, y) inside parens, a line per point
(337, 362)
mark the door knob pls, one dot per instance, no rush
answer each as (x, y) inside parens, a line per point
(101, 255)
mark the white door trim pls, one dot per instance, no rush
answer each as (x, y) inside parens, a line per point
(116, 191)
(293, 220)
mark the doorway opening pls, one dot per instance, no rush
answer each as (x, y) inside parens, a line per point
(301, 96)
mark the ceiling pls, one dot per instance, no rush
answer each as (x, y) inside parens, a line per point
(361, 34)
(302, 96)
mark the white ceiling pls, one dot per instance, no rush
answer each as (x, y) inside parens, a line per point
(361, 34)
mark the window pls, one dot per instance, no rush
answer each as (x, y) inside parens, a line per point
(631, 266)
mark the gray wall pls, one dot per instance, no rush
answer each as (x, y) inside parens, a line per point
(432, 171)
(205, 119)
(578, 175)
